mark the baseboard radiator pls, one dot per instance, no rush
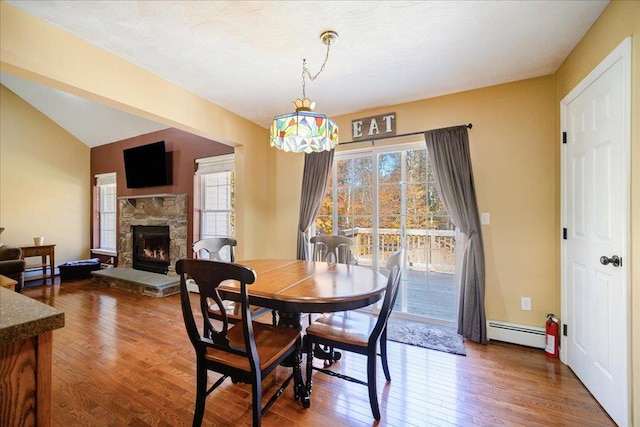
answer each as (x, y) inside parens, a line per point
(515, 334)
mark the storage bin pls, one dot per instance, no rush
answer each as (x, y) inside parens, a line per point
(74, 270)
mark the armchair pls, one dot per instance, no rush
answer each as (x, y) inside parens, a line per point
(12, 265)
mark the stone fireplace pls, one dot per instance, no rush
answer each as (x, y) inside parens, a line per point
(153, 232)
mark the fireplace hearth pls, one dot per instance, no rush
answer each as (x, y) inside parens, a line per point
(151, 246)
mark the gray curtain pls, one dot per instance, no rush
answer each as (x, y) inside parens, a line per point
(314, 186)
(449, 154)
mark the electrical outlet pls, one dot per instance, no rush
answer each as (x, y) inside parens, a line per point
(525, 303)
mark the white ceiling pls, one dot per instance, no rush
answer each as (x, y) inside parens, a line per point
(246, 56)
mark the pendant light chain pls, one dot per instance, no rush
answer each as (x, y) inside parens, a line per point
(305, 70)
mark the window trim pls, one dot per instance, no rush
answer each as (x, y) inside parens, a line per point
(212, 165)
(101, 181)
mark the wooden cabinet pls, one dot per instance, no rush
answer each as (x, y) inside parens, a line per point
(26, 338)
(47, 256)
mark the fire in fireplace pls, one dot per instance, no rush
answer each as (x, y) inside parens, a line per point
(151, 248)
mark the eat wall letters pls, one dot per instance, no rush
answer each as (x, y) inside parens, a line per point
(373, 127)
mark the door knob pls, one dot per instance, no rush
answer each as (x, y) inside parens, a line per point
(615, 260)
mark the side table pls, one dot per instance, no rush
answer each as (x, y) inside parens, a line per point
(47, 254)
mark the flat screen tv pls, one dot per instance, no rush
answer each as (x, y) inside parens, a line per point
(147, 166)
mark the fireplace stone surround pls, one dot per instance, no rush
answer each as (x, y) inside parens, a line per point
(153, 210)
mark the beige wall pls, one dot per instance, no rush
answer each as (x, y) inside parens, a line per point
(513, 154)
(619, 20)
(285, 184)
(44, 181)
(253, 225)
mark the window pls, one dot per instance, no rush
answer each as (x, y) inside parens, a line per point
(106, 185)
(216, 180)
(384, 198)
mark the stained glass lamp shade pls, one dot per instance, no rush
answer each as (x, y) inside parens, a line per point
(304, 132)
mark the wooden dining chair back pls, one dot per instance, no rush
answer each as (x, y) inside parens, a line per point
(358, 332)
(213, 247)
(246, 351)
(336, 250)
(222, 249)
(333, 249)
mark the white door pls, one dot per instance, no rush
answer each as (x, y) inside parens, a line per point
(595, 199)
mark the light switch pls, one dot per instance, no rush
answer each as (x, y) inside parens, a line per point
(485, 218)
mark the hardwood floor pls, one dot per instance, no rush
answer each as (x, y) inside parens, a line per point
(125, 359)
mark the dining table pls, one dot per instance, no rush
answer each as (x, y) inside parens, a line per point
(294, 287)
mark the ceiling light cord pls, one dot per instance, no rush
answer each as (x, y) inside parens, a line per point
(327, 39)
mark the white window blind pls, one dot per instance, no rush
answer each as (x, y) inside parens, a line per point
(217, 190)
(107, 210)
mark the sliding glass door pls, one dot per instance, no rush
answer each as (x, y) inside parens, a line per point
(385, 198)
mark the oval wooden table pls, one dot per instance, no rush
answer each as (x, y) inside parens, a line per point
(293, 287)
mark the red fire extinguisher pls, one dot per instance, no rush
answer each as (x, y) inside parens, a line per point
(552, 337)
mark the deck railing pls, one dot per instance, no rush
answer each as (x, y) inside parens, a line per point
(426, 250)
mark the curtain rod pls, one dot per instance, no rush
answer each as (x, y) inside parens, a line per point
(373, 140)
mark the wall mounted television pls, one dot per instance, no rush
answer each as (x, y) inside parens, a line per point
(147, 166)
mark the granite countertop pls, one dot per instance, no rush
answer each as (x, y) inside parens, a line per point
(22, 317)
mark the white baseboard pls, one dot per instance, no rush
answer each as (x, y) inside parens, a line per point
(529, 336)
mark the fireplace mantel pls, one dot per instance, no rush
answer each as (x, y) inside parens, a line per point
(158, 199)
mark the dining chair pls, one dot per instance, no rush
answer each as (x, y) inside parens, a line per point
(358, 332)
(213, 245)
(331, 249)
(246, 351)
(222, 249)
(334, 249)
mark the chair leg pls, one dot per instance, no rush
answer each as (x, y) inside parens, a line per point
(383, 354)
(256, 401)
(201, 393)
(301, 390)
(371, 383)
(309, 348)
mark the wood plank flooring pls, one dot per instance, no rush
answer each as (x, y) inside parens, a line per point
(428, 294)
(124, 359)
